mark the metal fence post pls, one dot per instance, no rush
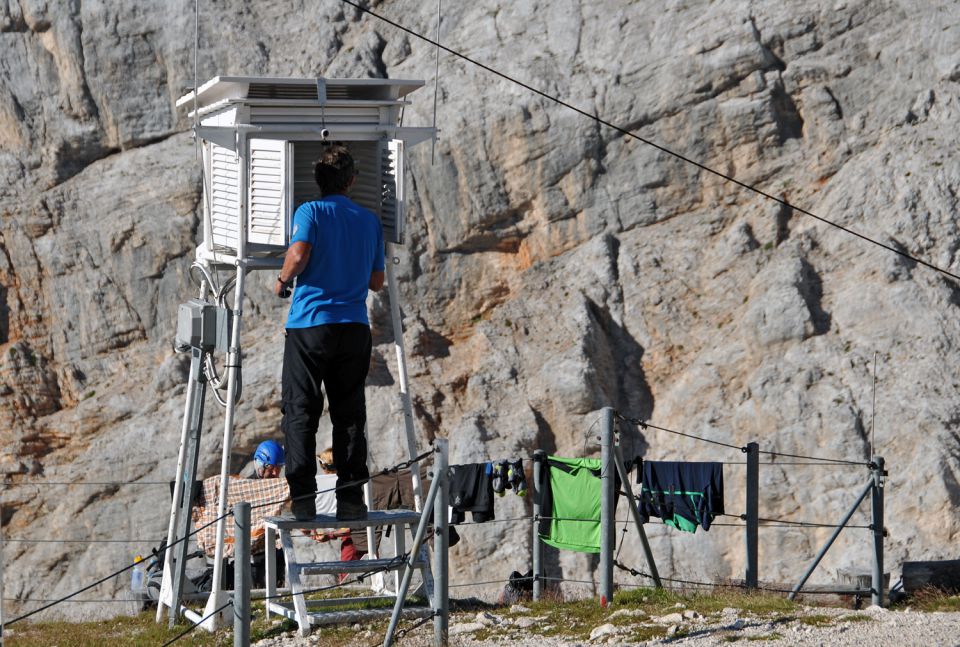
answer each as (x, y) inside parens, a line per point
(539, 459)
(418, 539)
(877, 586)
(753, 521)
(241, 575)
(441, 557)
(608, 510)
(836, 533)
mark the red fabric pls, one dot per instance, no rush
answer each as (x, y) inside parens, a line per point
(348, 553)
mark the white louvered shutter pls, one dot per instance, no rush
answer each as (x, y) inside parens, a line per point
(267, 222)
(391, 181)
(224, 198)
(304, 186)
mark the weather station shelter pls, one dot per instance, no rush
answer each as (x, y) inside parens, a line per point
(259, 138)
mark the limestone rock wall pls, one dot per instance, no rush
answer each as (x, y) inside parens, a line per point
(554, 266)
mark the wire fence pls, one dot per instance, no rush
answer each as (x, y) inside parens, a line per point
(48, 603)
(727, 584)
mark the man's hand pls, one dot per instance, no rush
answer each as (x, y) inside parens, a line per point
(294, 262)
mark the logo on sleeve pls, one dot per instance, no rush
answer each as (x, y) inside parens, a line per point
(296, 228)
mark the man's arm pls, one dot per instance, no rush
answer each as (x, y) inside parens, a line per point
(298, 255)
(376, 280)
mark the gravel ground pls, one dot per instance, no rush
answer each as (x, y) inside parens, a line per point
(810, 626)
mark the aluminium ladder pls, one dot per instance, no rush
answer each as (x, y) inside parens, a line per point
(300, 608)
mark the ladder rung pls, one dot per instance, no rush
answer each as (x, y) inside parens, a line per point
(355, 566)
(373, 518)
(360, 615)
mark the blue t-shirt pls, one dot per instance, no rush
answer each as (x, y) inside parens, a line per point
(346, 247)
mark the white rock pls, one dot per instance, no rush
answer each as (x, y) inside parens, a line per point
(518, 608)
(487, 619)
(670, 619)
(465, 627)
(603, 630)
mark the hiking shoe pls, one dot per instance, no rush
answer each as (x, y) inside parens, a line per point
(517, 477)
(347, 511)
(499, 479)
(304, 509)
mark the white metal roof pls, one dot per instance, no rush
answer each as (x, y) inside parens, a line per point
(253, 88)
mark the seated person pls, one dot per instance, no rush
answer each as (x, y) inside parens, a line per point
(266, 488)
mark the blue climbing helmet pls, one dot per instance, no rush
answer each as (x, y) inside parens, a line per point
(269, 452)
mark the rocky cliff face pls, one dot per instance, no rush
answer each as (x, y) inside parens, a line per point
(554, 266)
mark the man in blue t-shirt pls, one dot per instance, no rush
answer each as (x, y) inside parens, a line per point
(336, 255)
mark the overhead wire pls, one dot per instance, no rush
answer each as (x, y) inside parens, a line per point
(109, 483)
(384, 472)
(628, 133)
(29, 540)
(643, 424)
(103, 601)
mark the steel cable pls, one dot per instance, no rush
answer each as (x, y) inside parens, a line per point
(735, 585)
(839, 461)
(193, 627)
(112, 575)
(387, 470)
(648, 142)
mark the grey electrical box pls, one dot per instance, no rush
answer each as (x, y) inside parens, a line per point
(202, 325)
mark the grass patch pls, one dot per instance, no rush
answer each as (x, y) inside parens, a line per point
(142, 629)
(659, 601)
(815, 620)
(575, 620)
(127, 630)
(931, 599)
(645, 633)
(761, 638)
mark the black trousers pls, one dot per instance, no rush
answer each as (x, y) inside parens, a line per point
(338, 357)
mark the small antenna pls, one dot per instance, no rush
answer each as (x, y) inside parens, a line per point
(196, 88)
(436, 88)
(873, 415)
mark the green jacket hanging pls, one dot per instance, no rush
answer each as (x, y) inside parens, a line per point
(571, 500)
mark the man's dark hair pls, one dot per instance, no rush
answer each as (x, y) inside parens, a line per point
(334, 170)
